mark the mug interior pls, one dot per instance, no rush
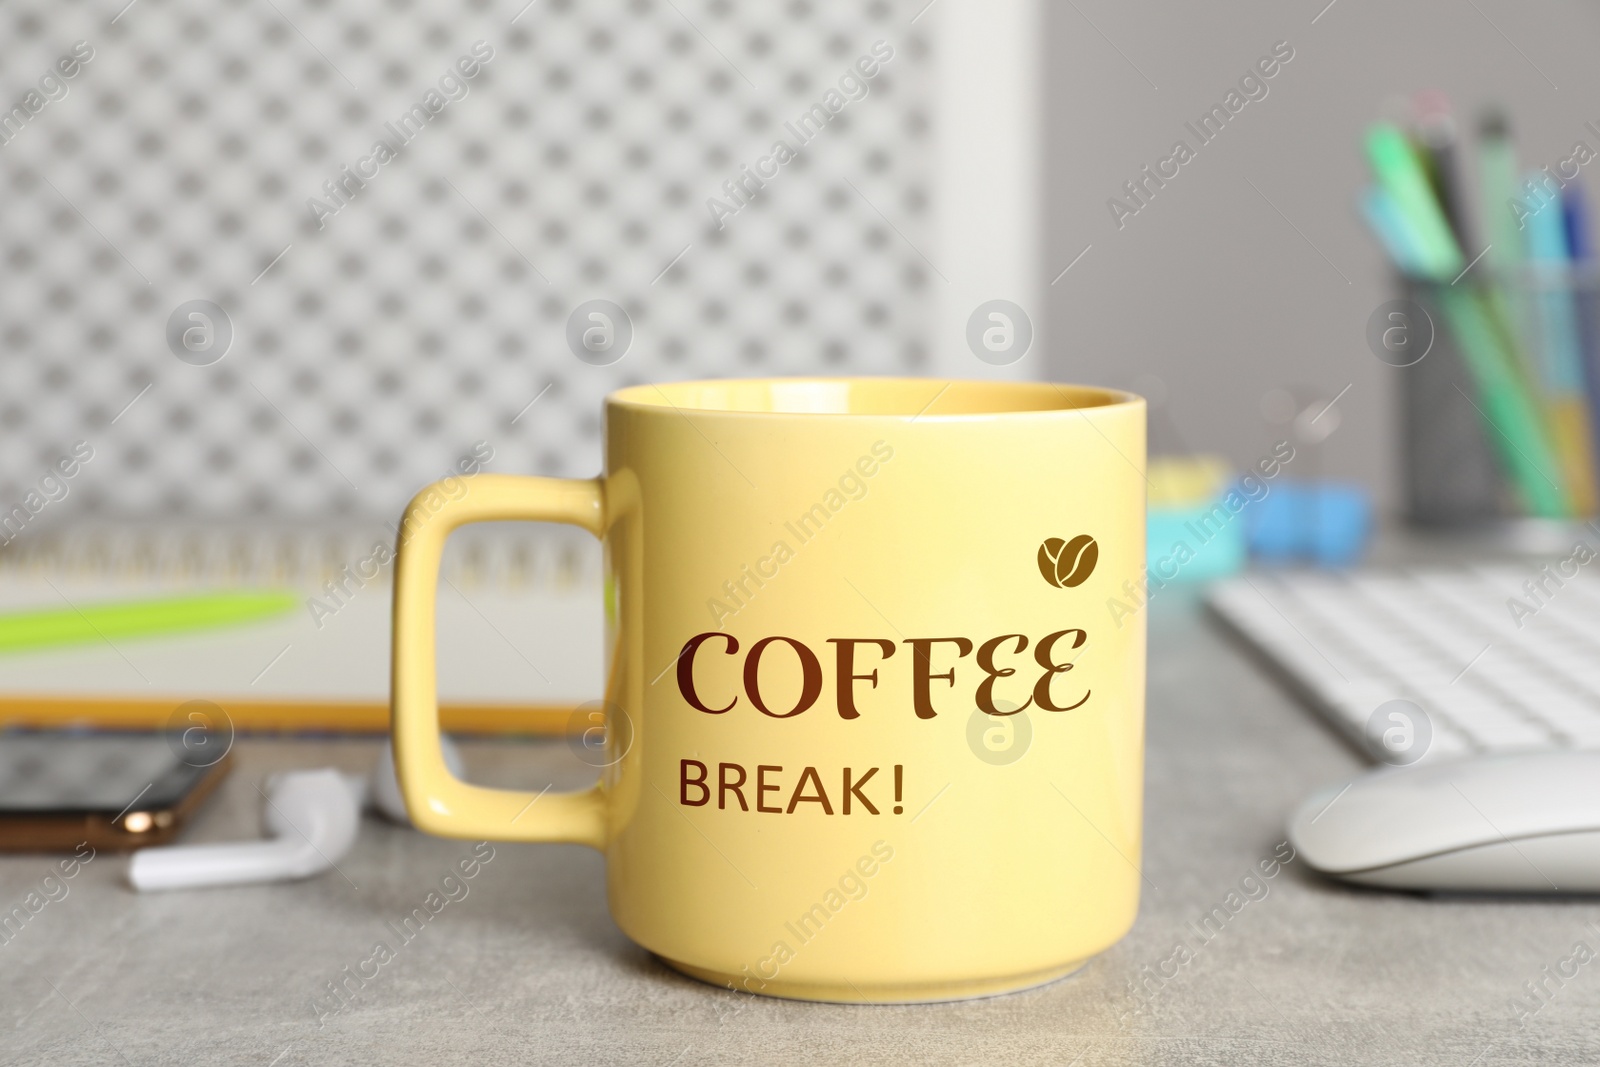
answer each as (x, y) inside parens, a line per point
(920, 397)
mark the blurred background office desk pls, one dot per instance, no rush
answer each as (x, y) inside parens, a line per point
(529, 968)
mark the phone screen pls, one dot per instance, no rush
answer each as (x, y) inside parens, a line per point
(47, 774)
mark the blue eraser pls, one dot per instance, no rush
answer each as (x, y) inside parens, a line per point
(1342, 525)
(1274, 523)
(1327, 523)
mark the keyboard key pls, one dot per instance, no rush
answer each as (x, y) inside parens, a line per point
(1444, 639)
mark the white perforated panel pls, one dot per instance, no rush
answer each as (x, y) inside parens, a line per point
(370, 354)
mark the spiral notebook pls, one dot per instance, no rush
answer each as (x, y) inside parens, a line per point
(519, 629)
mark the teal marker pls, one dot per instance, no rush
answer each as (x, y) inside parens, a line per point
(1384, 219)
(1550, 258)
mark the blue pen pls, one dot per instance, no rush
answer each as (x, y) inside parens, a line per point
(1580, 243)
(1575, 215)
(1559, 350)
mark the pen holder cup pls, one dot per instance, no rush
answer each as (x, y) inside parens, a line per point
(1499, 397)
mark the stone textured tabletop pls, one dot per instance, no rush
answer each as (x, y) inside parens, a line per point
(528, 967)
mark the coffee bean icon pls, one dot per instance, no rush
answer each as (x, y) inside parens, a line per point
(1068, 563)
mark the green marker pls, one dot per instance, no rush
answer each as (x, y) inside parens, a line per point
(1400, 172)
(1497, 168)
(1515, 425)
(1506, 252)
(23, 630)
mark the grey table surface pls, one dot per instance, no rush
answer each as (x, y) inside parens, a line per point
(529, 968)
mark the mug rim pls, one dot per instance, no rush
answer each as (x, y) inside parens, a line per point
(678, 398)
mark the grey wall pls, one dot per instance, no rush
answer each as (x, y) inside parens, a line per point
(1209, 288)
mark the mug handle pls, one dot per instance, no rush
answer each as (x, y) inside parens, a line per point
(438, 801)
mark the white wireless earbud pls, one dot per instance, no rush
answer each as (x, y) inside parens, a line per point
(311, 817)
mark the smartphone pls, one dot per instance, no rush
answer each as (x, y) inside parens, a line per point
(114, 791)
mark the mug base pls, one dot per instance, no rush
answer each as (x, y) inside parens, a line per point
(895, 993)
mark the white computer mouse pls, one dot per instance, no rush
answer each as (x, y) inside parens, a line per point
(1523, 823)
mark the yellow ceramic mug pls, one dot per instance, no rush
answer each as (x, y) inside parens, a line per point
(884, 736)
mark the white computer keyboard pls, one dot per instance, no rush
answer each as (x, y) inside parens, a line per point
(1448, 641)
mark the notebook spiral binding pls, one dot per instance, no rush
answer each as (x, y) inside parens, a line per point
(234, 555)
